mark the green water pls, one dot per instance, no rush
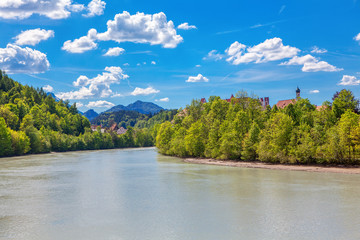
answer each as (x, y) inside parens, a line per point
(139, 194)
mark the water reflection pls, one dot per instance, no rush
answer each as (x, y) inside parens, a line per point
(138, 194)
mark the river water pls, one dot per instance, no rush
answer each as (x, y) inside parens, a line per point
(140, 194)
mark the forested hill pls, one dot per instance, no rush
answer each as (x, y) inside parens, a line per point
(32, 121)
(126, 118)
(138, 106)
(242, 130)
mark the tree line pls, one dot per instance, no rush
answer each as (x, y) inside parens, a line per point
(33, 122)
(243, 130)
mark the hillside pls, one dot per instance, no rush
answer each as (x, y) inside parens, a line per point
(32, 121)
(127, 118)
(138, 106)
(90, 114)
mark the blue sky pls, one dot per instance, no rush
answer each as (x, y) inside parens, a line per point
(100, 53)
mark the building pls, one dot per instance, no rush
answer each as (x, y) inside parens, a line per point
(285, 103)
(264, 102)
(121, 130)
(114, 127)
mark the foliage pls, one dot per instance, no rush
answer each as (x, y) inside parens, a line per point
(33, 122)
(242, 130)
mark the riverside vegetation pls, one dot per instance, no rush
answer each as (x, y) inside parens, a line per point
(243, 130)
(32, 121)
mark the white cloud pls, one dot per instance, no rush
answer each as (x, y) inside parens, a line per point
(198, 65)
(320, 66)
(116, 51)
(144, 91)
(48, 88)
(95, 8)
(301, 60)
(79, 104)
(213, 55)
(141, 28)
(100, 104)
(198, 78)
(76, 7)
(153, 62)
(21, 9)
(357, 37)
(315, 49)
(15, 59)
(138, 64)
(314, 91)
(126, 64)
(186, 26)
(162, 100)
(98, 86)
(33, 36)
(270, 50)
(82, 44)
(349, 81)
(312, 64)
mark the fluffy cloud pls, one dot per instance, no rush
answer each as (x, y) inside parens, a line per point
(100, 104)
(314, 91)
(213, 55)
(198, 78)
(357, 37)
(141, 28)
(349, 81)
(95, 8)
(153, 62)
(48, 88)
(162, 100)
(320, 66)
(15, 59)
(98, 86)
(144, 91)
(33, 36)
(116, 51)
(186, 26)
(82, 44)
(20, 9)
(270, 50)
(300, 60)
(311, 64)
(315, 49)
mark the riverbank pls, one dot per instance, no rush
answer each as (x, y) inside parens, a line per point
(229, 163)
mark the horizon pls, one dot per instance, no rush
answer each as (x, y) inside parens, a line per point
(100, 54)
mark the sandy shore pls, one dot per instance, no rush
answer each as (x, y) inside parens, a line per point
(331, 169)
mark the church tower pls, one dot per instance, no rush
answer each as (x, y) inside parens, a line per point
(298, 92)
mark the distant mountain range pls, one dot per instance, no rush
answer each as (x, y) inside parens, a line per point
(138, 106)
(90, 114)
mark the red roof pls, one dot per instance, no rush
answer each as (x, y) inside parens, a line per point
(229, 100)
(284, 103)
(319, 108)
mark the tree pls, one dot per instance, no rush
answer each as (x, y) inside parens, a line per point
(344, 100)
(5, 139)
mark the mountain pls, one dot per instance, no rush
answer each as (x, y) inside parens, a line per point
(117, 108)
(53, 95)
(138, 106)
(144, 107)
(90, 114)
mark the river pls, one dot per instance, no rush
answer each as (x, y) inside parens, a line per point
(139, 194)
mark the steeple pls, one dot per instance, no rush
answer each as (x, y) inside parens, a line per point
(298, 92)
